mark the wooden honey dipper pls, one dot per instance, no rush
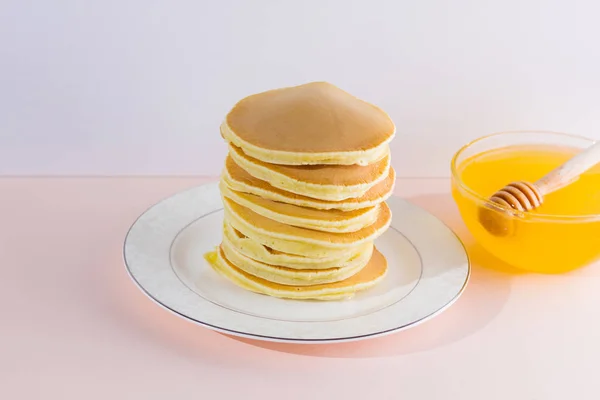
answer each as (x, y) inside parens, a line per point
(525, 196)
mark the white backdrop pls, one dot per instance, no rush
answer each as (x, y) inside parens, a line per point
(140, 87)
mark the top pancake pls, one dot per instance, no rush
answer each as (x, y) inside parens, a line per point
(314, 123)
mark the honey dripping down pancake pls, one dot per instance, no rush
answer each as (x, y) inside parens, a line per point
(259, 252)
(241, 181)
(370, 275)
(325, 182)
(321, 220)
(313, 123)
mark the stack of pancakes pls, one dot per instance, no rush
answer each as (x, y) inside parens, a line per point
(304, 189)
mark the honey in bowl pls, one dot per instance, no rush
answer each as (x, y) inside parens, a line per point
(560, 235)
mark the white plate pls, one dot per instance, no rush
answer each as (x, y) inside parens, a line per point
(164, 254)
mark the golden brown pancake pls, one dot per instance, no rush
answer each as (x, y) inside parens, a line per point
(243, 219)
(292, 276)
(259, 252)
(314, 123)
(239, 180)
(336, 175)
(304, 190)
(320, 220)
(326, 182)
(372, 273)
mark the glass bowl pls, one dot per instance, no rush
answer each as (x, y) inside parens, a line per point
(539, 242)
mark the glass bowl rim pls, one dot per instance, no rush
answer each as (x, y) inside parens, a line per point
(528, 215)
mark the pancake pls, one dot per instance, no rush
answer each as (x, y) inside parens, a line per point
(267, 255)
(303, 191)
(313, 123)
(300, 249)
(325, 182)
(239, 180)
(321, 220)
(301, 241)
(369, 276)
(291, 276)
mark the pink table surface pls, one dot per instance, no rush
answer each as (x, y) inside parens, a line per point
(75, 327)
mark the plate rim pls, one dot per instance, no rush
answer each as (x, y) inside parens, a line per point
(280, 338)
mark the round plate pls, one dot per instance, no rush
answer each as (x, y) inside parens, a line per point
(428, 269)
